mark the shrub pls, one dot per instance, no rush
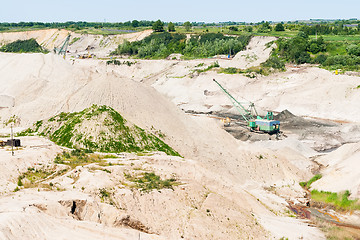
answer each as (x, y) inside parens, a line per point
(230, 70)
(339, 200)
(22, 46)
(233, 28)
(321, 58)
(279, 27)
(274, 62)
(353, 50)
(342, 60)
(149, 181)
(308, 183)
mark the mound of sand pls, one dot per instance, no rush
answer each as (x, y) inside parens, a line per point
(99, 45)
(342, 170)
(99, 128)
(256, 52)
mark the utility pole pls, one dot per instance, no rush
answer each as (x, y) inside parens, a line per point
(12, 141)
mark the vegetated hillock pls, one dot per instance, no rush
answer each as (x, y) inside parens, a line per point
(331, 55)
(23, 46)
(99, 128)
(161, 45)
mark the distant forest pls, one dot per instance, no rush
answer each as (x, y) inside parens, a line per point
(310, 27)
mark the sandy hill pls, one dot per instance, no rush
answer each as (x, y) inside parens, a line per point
(99, 128)
(40, 86)
(229, 189)
(99, 45)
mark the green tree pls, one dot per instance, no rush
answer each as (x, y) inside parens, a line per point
(279, 27)
(264, 27)
(171, 27)
(187, 25)
(249, 28)
(353, 50)
(135, 23)
(158, 26)
(233, 28)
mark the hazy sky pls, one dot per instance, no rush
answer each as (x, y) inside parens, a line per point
(176, 11)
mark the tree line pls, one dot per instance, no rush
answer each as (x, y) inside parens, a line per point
(301, 49)
(162, 44)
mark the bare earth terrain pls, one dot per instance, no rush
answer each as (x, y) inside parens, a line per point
(232, 184)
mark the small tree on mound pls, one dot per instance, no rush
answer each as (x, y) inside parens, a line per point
(158, 26)
(187, 25)
(279, 27)
(171, 27)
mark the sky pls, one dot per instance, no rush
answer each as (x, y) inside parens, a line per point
(176, 11)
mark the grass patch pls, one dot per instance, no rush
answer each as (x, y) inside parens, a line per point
(146, 182)
(74, 40)
(213, 65)
(308, 183)
(78, 157)
(340, 200)
(34, 177)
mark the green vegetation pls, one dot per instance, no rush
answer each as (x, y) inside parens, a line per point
(313, 179)
(271, 65)
(78, 157)
(74, 40)
(110, 132)
(331, 55)
(213, 65)
(187, 26)
(23, 46)
(149, 181)
(279, 27)
(339, 200)
(117, 62)
(158, 26)
(171, 27)
(161, 45)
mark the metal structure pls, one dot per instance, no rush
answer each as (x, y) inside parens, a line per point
(247, 113)
(250, 115)
(62, 50)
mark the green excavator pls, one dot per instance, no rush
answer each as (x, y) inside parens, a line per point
(63, 48)
(256, 123)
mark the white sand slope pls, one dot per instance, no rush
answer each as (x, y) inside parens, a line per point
(255, 53)
(342, 170)
(44, 85)
(85, 43)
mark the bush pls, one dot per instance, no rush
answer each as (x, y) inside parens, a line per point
(353, 50)
(274, 62)
(279, 27)
(233, 28)
(341, 60)
(295, 49)
(23, 46)
(340, 201)
(171, 27)
(308, 183)
(320, 59)
(149, 181)
(230, 70)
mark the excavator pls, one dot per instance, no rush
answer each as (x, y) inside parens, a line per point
(255, 123)
(62, 50)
